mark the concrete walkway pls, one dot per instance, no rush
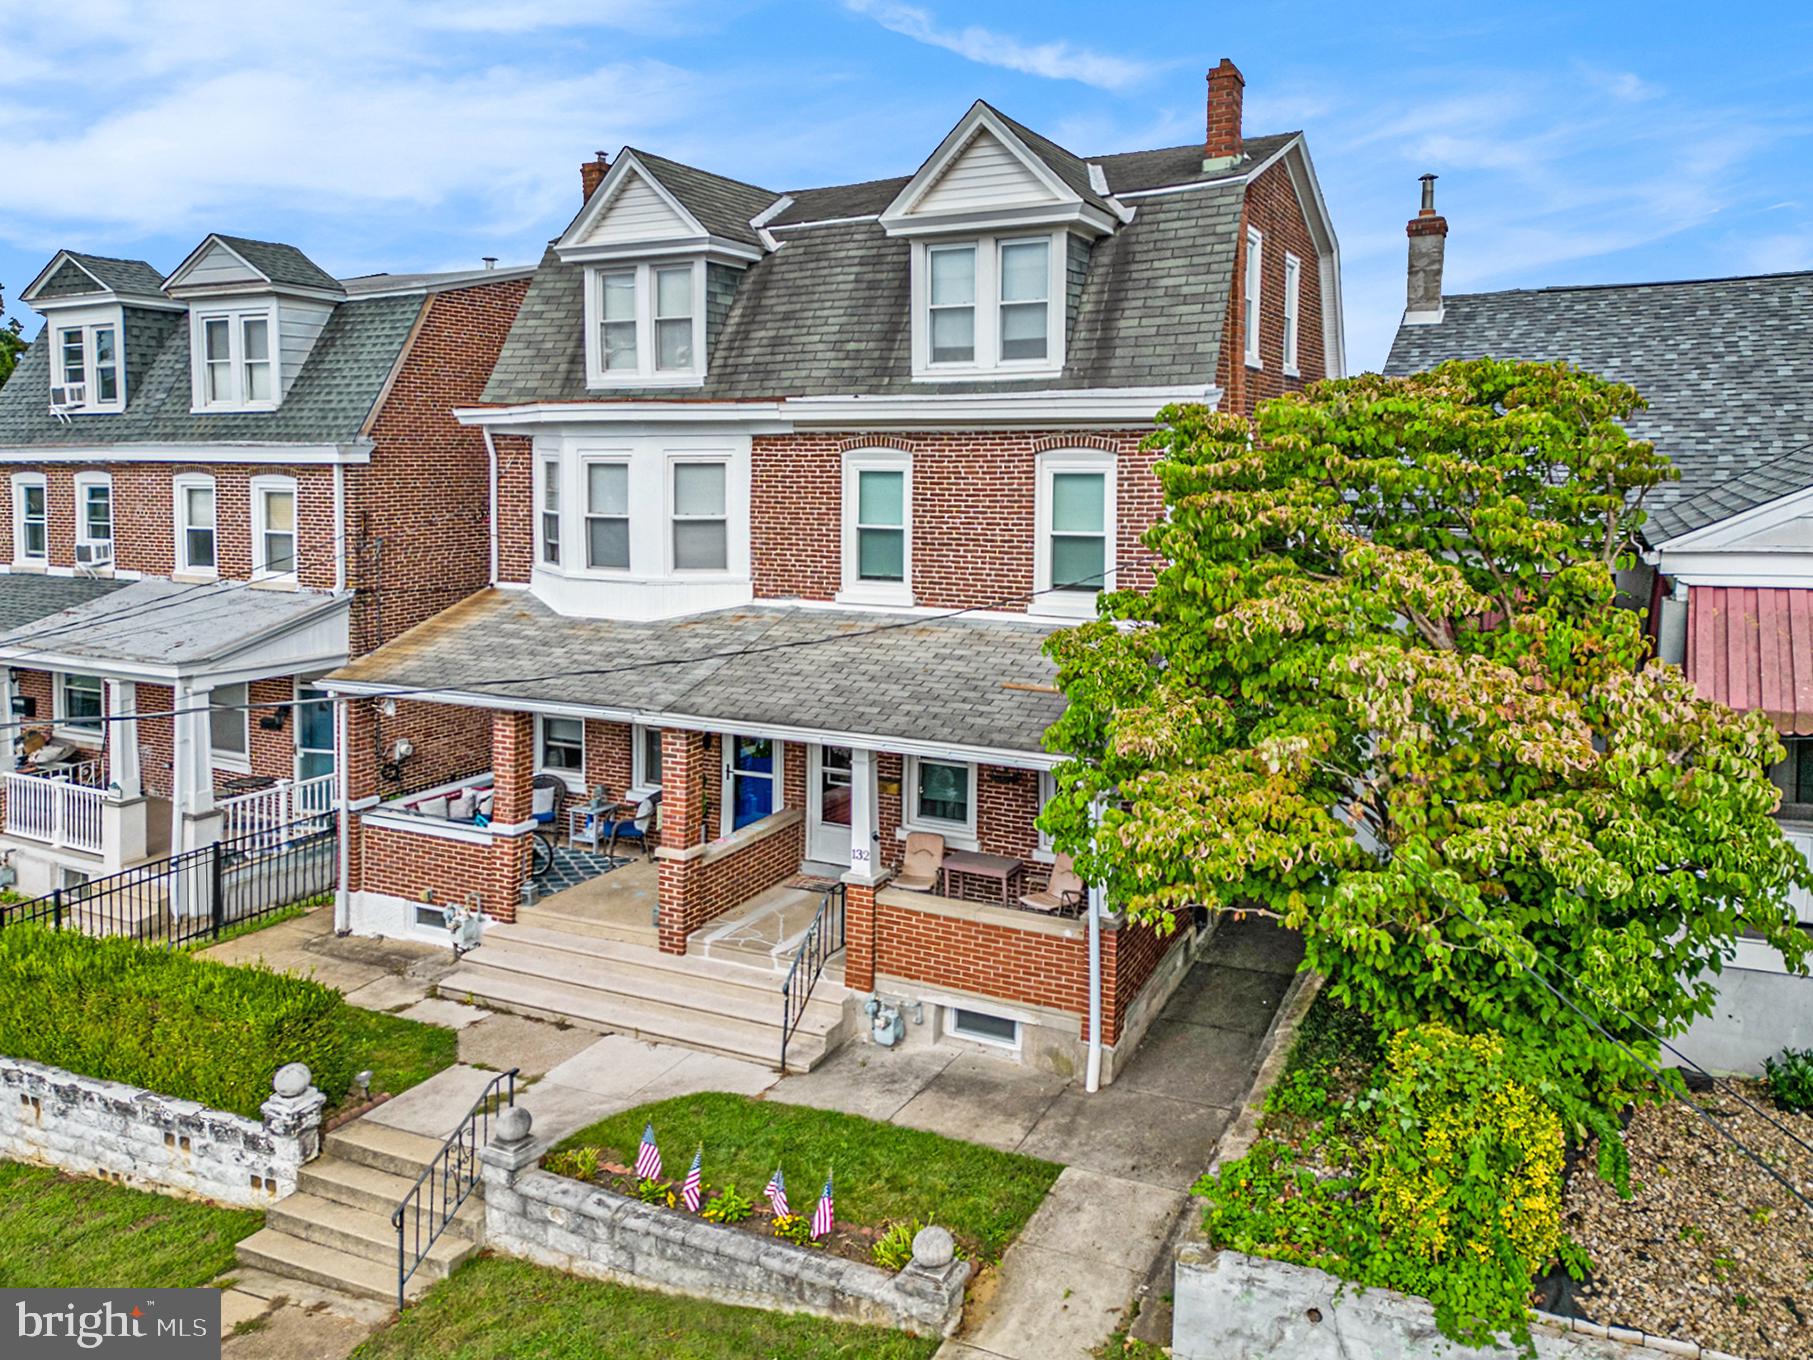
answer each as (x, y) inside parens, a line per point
(1130, 1151)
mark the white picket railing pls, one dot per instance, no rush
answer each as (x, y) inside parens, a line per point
(271, 814)
(52, 809)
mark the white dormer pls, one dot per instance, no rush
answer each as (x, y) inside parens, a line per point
(991, 223)
(256, 310)
(83, 299)
(647, 259)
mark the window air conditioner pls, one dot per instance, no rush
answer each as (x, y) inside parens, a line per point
(69, 397)
(94, 554)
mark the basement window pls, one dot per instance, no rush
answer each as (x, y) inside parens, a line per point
(982, 1027)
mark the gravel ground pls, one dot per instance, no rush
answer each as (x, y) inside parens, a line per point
(1709, 1248)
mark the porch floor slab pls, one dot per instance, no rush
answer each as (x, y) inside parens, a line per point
(616, 903)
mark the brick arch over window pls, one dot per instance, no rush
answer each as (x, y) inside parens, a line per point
(893, 443)
(1106, 443)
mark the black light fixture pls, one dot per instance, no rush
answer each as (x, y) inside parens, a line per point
(1000, 775)
(273, 721)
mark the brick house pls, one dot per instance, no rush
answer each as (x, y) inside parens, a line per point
(1727, 575)
(791, 487)
(223, 483)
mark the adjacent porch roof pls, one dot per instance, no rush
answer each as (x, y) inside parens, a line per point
(1753, 648)
(166, 630)
(972, 685)
(26, 597)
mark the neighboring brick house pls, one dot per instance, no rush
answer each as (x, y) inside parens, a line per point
(791, 489)
(223, 483)
(1725, 369)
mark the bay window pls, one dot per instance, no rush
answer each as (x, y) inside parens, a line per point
(550, 512)
(607, 510)
(700, 517)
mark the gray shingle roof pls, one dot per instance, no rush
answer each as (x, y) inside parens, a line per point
(867, 199)
(328, 403)
(27, 597)
(130, 277)
(158, 622)
(280, 263)
(723, 206)
(1726, 366)
(862, 674)
(1130, 170)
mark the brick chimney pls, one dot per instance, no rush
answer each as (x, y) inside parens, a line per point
(1226, 89)
(591, 175)
(1428, 232)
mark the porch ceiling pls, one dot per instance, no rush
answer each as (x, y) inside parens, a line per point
(962, 682)
(165, 629)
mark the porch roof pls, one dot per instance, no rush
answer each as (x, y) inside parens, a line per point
(159, 629)
(917, 683)
(26, 597)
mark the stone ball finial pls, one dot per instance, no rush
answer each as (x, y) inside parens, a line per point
(292, 1079)
(934, 1248)
(513, 1124)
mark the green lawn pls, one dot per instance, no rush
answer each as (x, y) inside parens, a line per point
(883, 1173)
(498, 1309)
(64, 1232)
(399, 1053)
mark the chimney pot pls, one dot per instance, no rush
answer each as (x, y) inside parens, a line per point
(490, 261)
(1428, 233)
(591, 175)
(1227, 87)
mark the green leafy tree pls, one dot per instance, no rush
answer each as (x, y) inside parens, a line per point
(12, 343)
(1384, 687)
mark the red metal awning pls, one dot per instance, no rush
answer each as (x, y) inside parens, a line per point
(1750, 647)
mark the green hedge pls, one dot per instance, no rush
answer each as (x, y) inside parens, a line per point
(165, 1020)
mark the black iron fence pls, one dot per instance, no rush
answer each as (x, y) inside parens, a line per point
(822, 940)
(448, 1181)
(198, 894)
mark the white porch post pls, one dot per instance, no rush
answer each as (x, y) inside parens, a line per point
(122, 737)
(193, 776)
(865, 854)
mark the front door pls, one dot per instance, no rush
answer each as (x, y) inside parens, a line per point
(314, 735)
(828, 805)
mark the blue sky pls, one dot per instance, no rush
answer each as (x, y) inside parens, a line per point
(1576, 143)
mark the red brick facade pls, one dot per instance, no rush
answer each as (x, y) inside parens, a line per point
(1273, 207)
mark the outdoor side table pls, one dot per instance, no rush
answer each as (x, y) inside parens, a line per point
(1002, 869)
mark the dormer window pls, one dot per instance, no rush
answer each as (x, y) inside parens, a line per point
(234, 369)
(86, 374)
(643, 321)
(988, 307)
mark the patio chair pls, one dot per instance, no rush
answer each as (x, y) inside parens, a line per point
(923, 867)
(546, 791)
(1063, 892)
(636, 829)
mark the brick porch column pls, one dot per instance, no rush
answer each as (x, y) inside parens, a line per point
(512, 807)
(685, 798)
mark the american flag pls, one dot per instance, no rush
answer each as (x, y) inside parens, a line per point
(689, 1192)
(777, 1194)
(648, 1157)
(823, 1216)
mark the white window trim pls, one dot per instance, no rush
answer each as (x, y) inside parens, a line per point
(573, 779)
(855, 589)
(951, 1031)
(1293, 312)
(960, 834)
(624, 461)
(220, 758)
(988, 363)
(21, 480)
(86, 482)
(677, 573)
(638, 759)
(542, 560)
(727, 789)
(1073, 604)
(1048, 789)
(1252, 322)
(235, 318)
(179, 484)
(91, 401)
(645, 374)
(261, 486)
(81, 736)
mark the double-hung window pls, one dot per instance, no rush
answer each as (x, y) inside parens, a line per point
(940, 796)
(989, 306)
(31, 520)
(952, 303)
(877, 547)
(1255, 273)
(80, 705)
(673, 319)
(273, 527)
(617, 324)
(645, 757)
(700, 517)
(645, 324)
(561, 747)
(88, 362)
(1293, 312)
(607, 516)
(235, 368)
(94, 518)
(550, 512)
(230, 726)
(195, 525)
(1025, 299)
(1075, 552)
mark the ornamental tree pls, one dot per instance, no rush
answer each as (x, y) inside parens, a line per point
(1385, 688)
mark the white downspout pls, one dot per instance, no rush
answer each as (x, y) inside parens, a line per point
(491, 488)
(343, 902)
(1092, 1079)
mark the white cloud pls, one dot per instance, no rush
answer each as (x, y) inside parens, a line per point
(1057, 60)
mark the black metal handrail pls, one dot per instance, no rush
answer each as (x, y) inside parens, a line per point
(448, 1180)
(823, 938)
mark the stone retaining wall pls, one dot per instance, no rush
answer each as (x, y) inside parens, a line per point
(1232, 1304)
(584, 1230)
(90, 1127)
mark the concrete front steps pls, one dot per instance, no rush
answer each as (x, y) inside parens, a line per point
(335, 1231)
(623, 988)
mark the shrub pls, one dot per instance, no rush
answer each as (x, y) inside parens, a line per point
(727, 1207)
(580, 1163)
(164, 1020)
(894, 1248)
(1790, 1078)
(794, 1228)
